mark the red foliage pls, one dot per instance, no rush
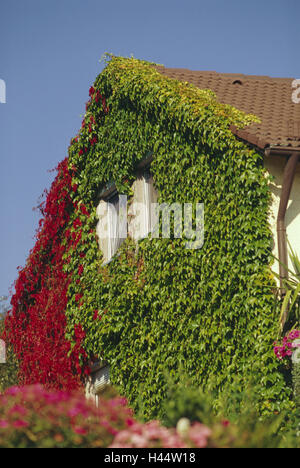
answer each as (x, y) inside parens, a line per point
(36, 324)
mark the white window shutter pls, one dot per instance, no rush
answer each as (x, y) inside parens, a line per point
(100, 379)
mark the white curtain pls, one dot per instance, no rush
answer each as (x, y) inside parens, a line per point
(150, 202)
(116, 229)
(113, 231)
(147, 204)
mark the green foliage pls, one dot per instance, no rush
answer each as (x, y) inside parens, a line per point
(292, 298)
(187, 401)
(296, 382)
(32, 417)
(8, 371)
(162, 308)
(237, 410)
(241, 405)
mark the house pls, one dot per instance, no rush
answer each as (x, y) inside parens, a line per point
(160, 304)
(276, 136)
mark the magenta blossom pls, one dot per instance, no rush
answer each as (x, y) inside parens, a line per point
(288, 345)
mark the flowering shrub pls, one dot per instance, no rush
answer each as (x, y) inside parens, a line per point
(152, 434)
(288, 346)
(32, 416)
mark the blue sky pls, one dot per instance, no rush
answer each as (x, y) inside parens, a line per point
(49, 57)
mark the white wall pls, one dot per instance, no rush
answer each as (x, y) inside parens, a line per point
(275, 166)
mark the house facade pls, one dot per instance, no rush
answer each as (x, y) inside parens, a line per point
(276, 136)
(142, 309)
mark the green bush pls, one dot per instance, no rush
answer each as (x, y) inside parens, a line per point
(296, 382)
(236, 420)
(186, 401)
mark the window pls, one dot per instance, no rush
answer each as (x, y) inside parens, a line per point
(115, 222)
(141, 212)
(114, 238)
(97, 382)
(112, 224)
(150, 197)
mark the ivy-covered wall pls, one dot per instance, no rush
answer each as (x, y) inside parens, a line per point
(161, 310)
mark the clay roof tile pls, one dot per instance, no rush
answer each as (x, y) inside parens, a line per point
(268, 98)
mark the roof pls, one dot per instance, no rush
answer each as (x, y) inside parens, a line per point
(268, 98)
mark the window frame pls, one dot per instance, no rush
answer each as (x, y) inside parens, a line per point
(100, 370)
(148, 186)
(106, 196)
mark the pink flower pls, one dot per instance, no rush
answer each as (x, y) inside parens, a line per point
(13, 391)
(19, 409)
(130, 422)
(294, 334)
(225, 422)
(80, 430)
(199, 434)
(20, 423)
(289, 343)
(73, 412)
(139, 441)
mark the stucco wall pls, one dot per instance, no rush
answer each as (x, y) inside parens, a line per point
(275, 166)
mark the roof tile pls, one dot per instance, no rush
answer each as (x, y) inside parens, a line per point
(268, 98)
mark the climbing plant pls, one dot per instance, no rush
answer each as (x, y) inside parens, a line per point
(161, 310)
(35, 325)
